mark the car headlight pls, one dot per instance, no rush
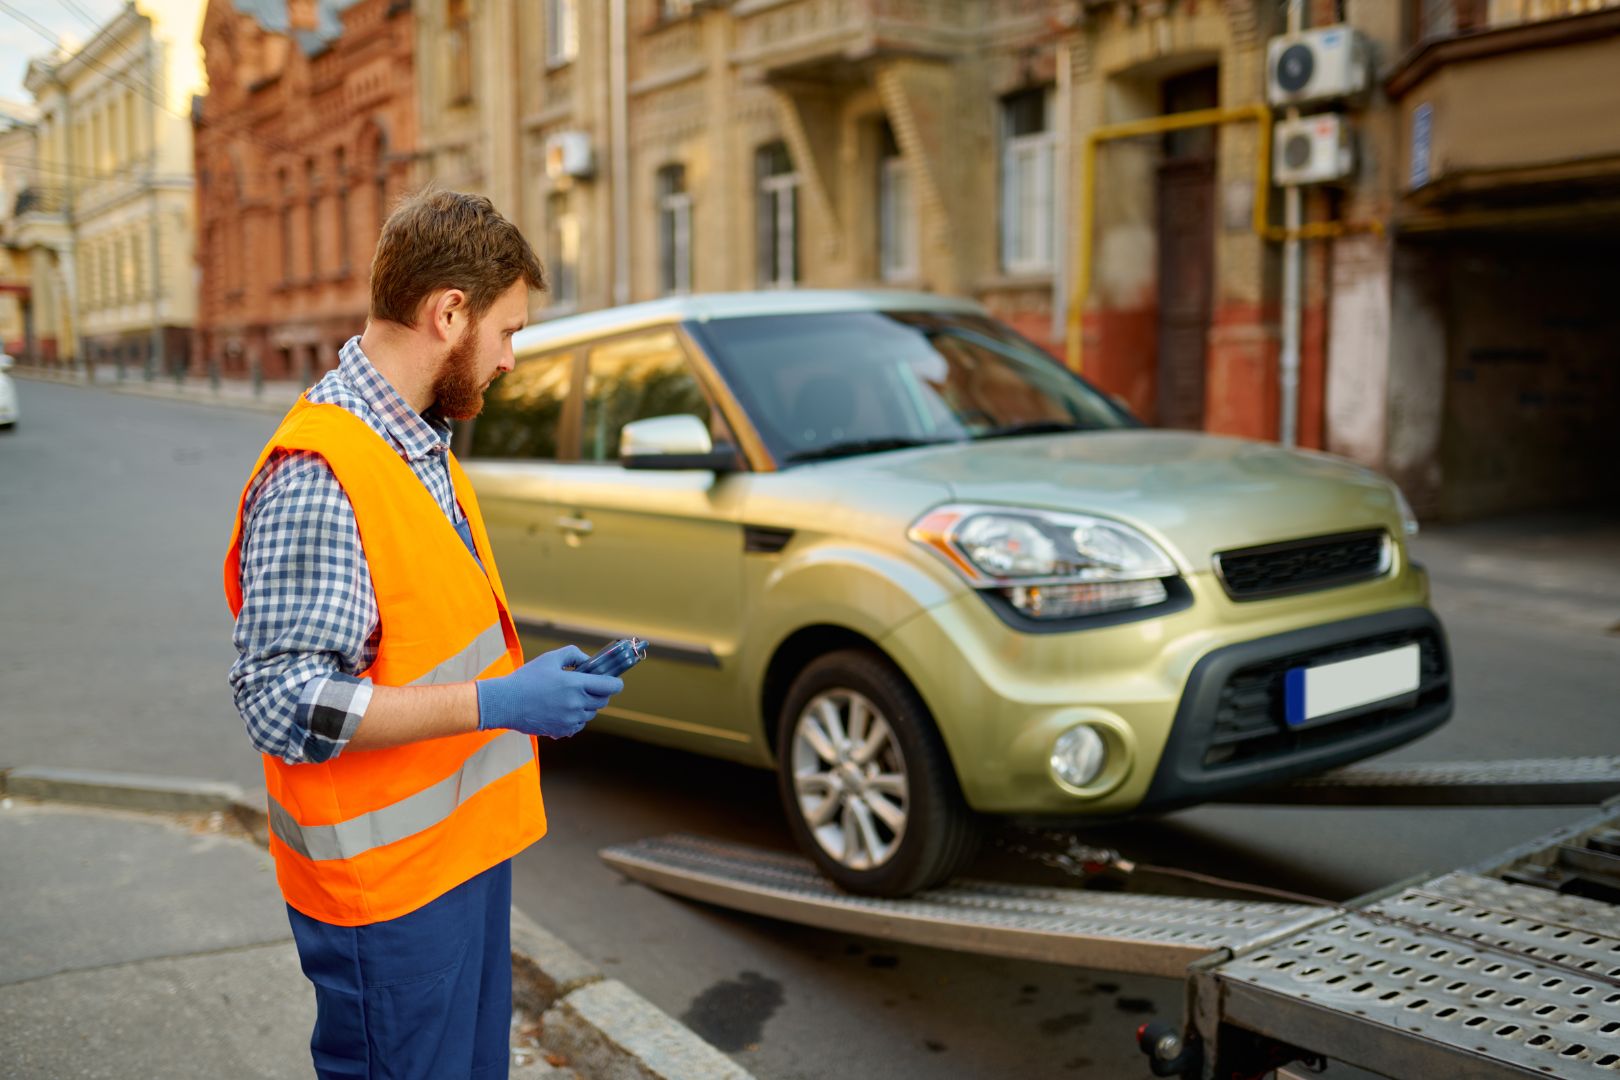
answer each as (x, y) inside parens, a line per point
(1409, 521)
(1048, 565)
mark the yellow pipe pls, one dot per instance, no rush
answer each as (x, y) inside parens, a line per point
(1257, 113)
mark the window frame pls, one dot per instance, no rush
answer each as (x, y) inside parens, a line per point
(568, 421)
(562, 32)
(1034, 152)
(777, 210)
(898, 257)
(564, 273)
(674, 206)
(697, 364)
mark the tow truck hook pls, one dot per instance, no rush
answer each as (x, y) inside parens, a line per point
(1169, 1052)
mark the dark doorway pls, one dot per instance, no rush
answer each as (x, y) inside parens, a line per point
(1186, 220)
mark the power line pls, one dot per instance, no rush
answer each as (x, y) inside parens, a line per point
(44, 32)
(96, 27)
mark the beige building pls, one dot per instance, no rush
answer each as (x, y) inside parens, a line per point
(16, 176)
(106, 228)
(656, 146)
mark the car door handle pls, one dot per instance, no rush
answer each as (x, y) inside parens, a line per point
(579, 526)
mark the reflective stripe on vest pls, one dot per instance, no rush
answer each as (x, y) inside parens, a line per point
(469, 663)
(409, 816)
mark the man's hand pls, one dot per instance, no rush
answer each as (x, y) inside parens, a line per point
(543, 697)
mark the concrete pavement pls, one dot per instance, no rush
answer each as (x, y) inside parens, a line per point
(149, 939)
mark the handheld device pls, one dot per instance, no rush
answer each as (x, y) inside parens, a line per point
(617, 658)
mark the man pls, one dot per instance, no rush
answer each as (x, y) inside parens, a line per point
(379, 671)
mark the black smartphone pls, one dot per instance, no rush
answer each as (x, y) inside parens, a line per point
(617, 658)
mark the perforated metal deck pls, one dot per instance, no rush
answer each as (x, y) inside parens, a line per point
(1153, 935)
(1465, 974)
(1572, 781)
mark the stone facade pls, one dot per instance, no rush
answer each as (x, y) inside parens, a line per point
(306, 135)
(812, 123)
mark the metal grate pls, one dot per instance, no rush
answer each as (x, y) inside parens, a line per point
(1249, 718)
(1296, 566)
(1582, 781)
(1476, 968)
(1154, 935)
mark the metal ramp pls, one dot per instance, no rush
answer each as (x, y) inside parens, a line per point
(1572, 781)
(1124, 932)
(1510, 968)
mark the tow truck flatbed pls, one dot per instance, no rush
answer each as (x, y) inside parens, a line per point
(1507, 968)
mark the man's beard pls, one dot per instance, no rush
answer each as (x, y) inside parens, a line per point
(456, 389)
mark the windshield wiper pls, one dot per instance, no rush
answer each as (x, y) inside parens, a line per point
(1029, 427)
(851, 447)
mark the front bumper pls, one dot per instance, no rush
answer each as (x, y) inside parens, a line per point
(1152, 686)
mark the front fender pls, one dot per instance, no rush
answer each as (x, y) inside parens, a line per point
(856, 587)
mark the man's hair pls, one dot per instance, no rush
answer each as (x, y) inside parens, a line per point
(440, 239)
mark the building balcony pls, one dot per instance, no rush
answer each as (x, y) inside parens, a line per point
(1510, 100)
(39, 218)
(819, 39)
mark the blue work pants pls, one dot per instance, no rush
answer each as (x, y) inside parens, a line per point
(426, 996)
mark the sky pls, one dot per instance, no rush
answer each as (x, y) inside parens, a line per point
(19, 43)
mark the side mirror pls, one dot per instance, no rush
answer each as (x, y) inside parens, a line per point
(673, 443)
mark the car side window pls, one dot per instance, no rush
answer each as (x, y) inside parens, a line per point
(523, 410)
(636, 378)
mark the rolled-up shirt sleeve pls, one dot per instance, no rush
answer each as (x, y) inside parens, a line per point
(308, 623)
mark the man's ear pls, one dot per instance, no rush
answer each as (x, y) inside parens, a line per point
(447, 313)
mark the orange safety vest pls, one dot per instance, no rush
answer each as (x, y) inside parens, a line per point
(371, 835)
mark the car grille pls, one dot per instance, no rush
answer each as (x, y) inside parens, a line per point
(1303, 565)
(1250, 722)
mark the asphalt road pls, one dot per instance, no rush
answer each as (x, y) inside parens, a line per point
(114, 516)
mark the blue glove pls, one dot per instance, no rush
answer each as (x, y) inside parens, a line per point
(543, 697)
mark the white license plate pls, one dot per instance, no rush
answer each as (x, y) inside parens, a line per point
(1311, 693)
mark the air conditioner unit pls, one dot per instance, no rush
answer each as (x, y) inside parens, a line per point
(1311, 150)
(568, 153)
(1317, 65)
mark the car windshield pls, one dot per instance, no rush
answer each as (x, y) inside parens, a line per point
(828, 385)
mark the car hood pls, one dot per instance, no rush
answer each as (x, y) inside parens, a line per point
(1199, 493)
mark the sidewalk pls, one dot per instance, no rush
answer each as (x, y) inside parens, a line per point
(270, 396)
(155, 943)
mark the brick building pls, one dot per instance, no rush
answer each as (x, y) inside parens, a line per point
(305, 137)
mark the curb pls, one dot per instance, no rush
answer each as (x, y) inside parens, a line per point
(166, 391)
(606, 1030)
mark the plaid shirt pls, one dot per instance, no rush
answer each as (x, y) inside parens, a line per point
(308, 624)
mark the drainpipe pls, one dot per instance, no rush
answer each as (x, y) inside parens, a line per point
(1293, 214)
(619, 121)
(1061, 183)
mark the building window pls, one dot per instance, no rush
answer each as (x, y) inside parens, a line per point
(286, 232)
(897, 214)
(777, 216)
(562, 31)
(458, 22)
(1026, 182)
(562, 248)
(674, 231)
(312, 220)
(341, 171)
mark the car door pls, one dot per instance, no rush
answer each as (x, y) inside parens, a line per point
(652, 553)
(512, 453)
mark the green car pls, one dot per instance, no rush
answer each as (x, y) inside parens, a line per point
(885, 545)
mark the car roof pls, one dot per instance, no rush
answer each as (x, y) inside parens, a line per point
(703, 307)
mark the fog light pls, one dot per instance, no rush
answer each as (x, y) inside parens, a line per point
(1078, 756)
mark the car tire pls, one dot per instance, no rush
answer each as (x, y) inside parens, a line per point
(938, 833)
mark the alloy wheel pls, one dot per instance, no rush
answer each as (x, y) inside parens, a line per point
(849, 777)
